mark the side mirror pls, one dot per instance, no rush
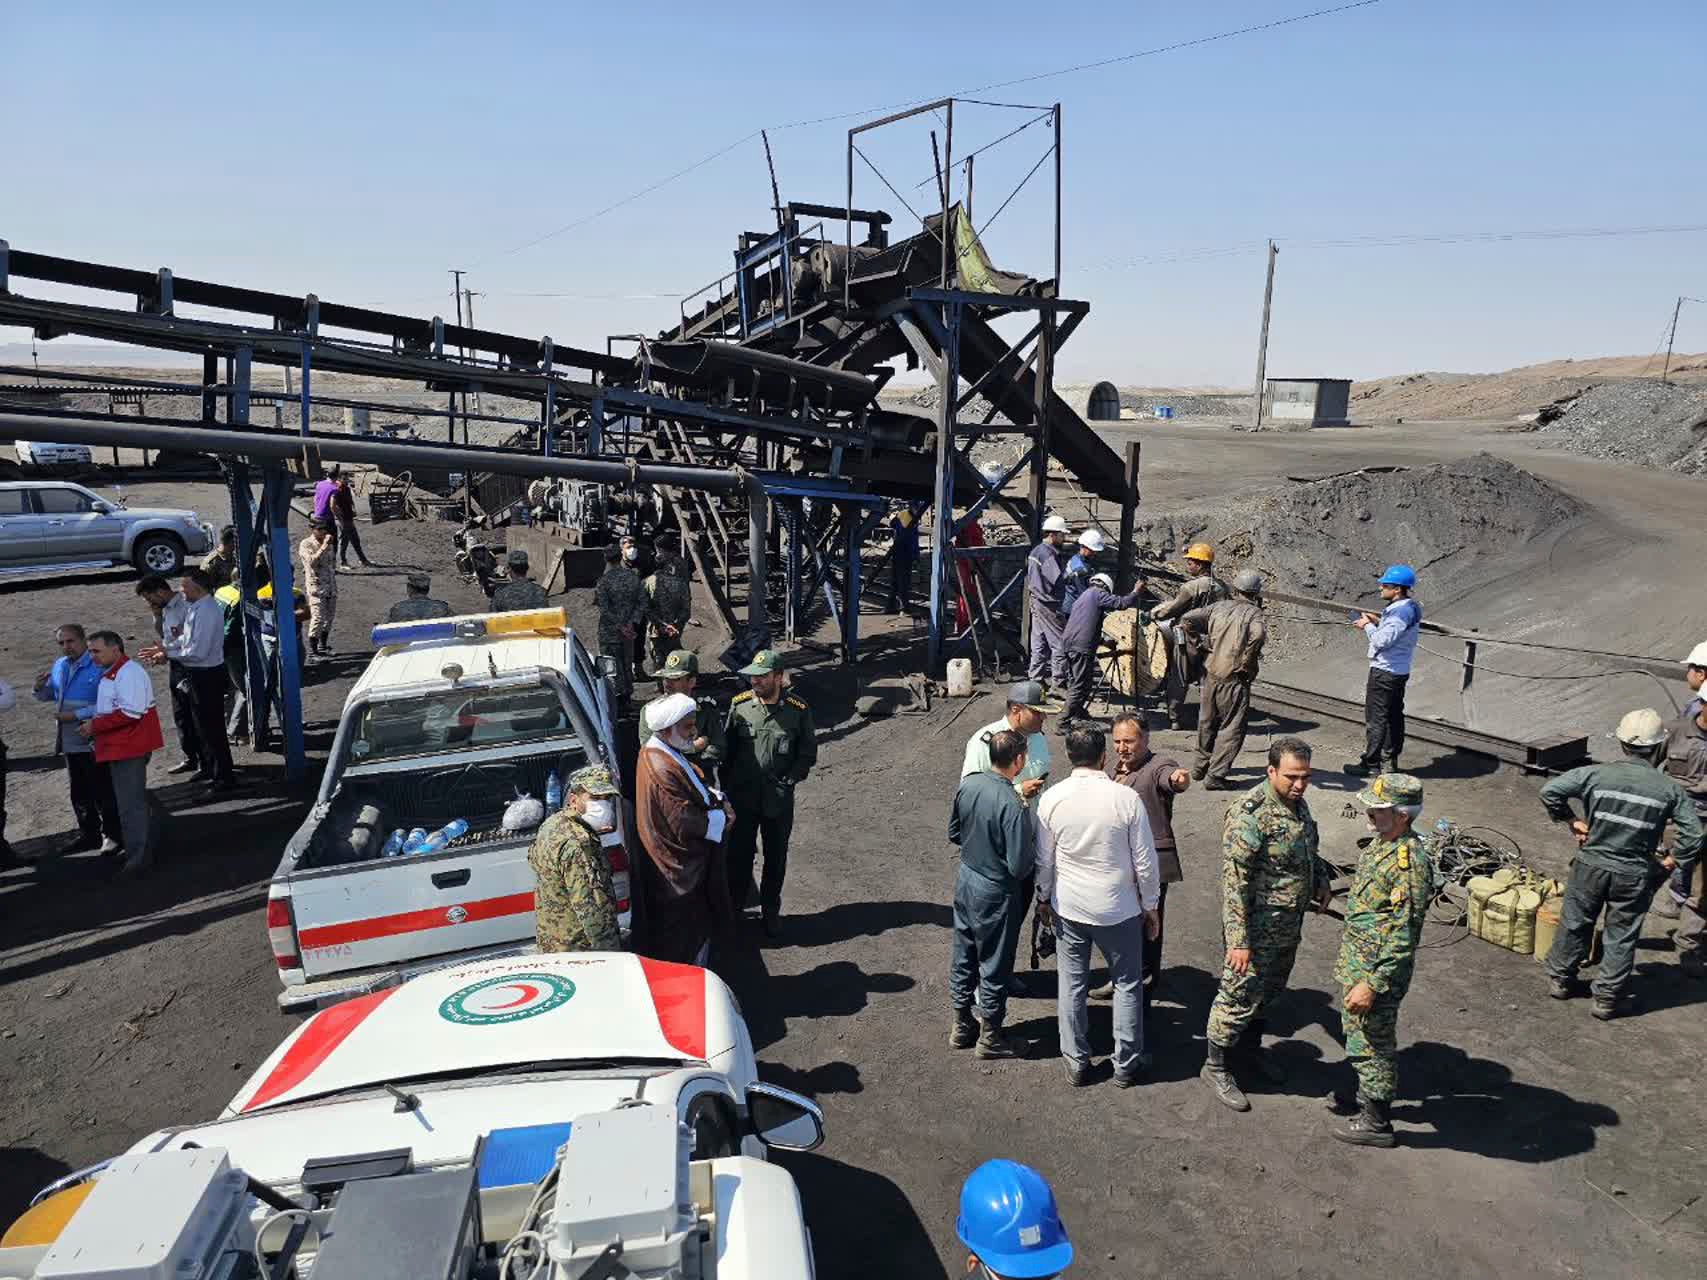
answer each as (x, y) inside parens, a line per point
(103, 507)
(606, 665)
(783, 1119)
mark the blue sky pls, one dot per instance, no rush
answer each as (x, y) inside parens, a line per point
(360, 150)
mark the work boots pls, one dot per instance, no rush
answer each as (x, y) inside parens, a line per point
(1216, 1075)
(1266, 1064)
(994, 1042)
(1370, 1127)
(964, 1033)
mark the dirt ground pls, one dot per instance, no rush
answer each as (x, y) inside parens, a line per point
(1535, 1141)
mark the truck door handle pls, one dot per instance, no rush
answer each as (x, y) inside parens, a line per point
(450, 879)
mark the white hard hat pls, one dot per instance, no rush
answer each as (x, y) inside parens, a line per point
(1054, 524)
(992, 472)
(1642, 728)
(1092, 540)
(1697, 656)
(1102, 580)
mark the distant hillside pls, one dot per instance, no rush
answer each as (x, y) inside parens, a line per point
(1509, 394)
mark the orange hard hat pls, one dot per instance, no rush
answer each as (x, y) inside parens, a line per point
(1200, 551)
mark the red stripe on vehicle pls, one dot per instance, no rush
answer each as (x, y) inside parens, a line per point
(324, 1033)
(332, 935)
(678, 995)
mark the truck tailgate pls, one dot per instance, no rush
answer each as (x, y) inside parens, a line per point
(398, 909)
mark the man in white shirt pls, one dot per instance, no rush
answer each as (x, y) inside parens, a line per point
(196, 648)
(1098, 881)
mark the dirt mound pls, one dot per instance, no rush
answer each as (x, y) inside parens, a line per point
(1460, 524)
(1652, 424)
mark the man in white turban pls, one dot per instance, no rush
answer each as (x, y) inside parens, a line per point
(682, 821)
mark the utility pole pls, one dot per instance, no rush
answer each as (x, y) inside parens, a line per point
(468, 297)
(1665, 374)
(1262, 344)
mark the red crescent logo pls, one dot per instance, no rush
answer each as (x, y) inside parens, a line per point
(528, 990)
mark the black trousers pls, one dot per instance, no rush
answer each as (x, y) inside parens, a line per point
(1081, 679)
(207, 707)
(92, 800)
(744, 838)
(349, 539)
(1383, 717)
(184, 713)
(1153, 946)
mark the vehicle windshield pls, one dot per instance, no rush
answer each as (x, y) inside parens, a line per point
(455, 720)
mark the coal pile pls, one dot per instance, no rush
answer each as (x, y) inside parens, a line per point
(1649, 423)
(1461, 524)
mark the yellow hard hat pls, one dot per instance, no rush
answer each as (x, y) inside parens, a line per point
(1200, 551)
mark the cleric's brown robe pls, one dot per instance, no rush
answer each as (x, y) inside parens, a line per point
(684, 877)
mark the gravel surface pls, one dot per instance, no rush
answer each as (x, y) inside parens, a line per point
(1646, 422)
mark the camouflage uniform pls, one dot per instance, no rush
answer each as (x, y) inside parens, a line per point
(1269, 874)
(574, 899)
(671, 590)
(622, 601)
(1384, 914)
(519, 593)
(221, 566)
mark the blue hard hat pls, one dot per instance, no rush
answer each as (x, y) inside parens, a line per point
(1009, 1221)
(1399, 575)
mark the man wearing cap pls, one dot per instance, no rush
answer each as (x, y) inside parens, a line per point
(574, 899)
(521, 591)
(1237, 633)
(1384, 913)
(1619, 862)
(772, 746)
(669, 599)
(1392, 640)
(1079, 569)
(622, 613)
(417, 604)
(1083, 633)
(684, 827)
(1025, 712)
(1043, 588)
(1200, 590)
(680, 674)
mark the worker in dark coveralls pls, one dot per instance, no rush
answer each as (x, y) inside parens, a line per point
(1200, 590)
(1384, 913)
(574, 899)
(1044, 572)
(1083, 633)
(998, 842)
(680, 674)
(521, 591)
(418, 603)
(772, 746)
(1237, 634)
(622, 613)
(1270, 873)
(1619, 863)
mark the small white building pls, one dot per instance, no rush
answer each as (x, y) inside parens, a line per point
(1308, 402)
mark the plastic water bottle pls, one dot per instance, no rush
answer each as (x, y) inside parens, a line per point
(415, 839)
(452, 830)
(553, 792)
(394, 845)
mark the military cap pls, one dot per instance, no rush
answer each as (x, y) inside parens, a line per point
(683, 662)
(1391, 791)
(764, 663)
(594, 780)
(517, 559)
(420, 582)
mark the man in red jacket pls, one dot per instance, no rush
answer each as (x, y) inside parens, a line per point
(125, 728)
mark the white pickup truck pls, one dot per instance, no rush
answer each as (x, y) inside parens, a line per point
(453, 718)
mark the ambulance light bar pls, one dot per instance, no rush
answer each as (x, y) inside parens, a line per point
(475, 626)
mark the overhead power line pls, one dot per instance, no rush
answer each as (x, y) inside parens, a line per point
(1075, 69)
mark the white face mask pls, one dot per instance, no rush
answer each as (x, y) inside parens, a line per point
(631, 553)
(599, 814)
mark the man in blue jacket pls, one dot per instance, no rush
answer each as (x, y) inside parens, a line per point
(70, 685)
(1392, 640)
(997, 842)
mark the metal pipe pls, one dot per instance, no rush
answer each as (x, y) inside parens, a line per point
(341, 448)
